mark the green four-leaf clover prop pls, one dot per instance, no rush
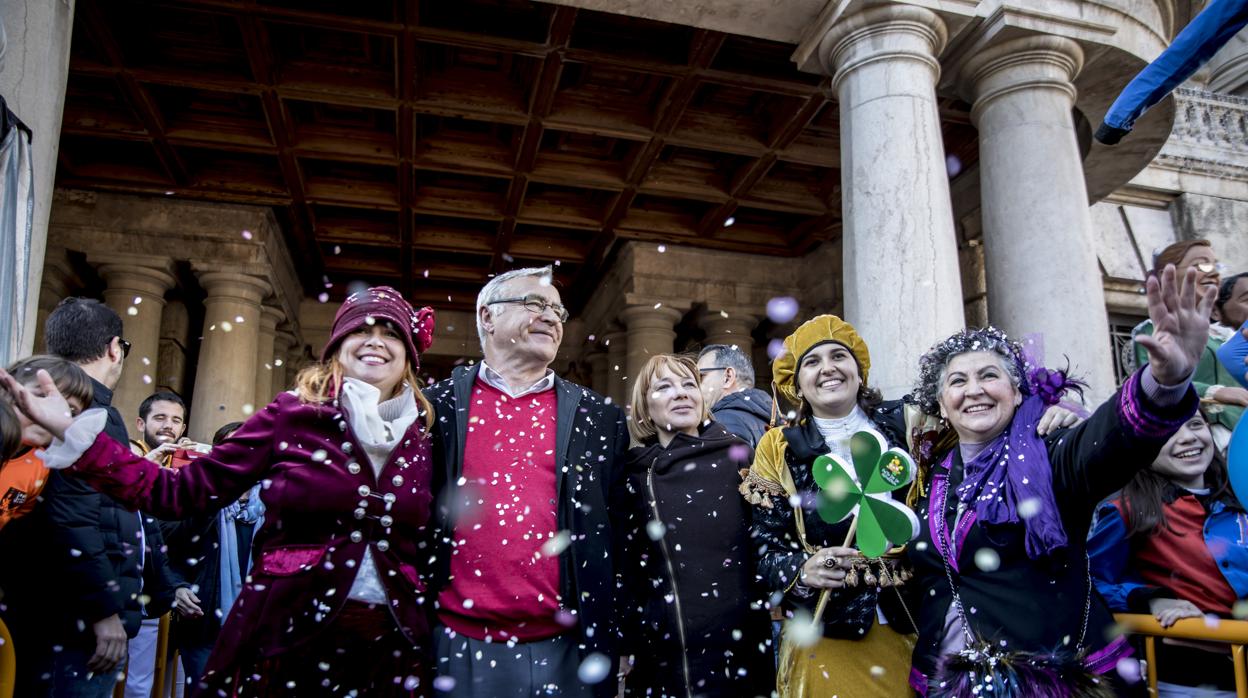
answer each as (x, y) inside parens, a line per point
(865, 490)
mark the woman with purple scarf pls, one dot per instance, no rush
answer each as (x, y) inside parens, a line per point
(334, 604)
(1001, 562)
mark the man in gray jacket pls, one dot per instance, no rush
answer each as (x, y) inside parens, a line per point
(728, 387)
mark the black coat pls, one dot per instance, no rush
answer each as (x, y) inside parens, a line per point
(693, 599)
(1034, 605)
(590, 447)
(850, 612)
(195, 561)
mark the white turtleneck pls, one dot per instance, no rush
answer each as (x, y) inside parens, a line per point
(837, 431)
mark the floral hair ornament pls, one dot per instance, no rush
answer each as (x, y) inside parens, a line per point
(1050, 385)
(863, 490)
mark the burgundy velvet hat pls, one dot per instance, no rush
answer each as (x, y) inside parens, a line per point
(382, 304)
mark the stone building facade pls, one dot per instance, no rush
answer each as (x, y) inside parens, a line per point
(1045, 232)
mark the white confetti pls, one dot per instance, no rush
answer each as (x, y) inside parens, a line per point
(594, 669)
(987, 559)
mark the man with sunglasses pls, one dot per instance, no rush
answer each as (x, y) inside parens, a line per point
(98, 561)
(526, 467)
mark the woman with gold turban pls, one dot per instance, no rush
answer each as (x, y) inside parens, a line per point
(857, 641)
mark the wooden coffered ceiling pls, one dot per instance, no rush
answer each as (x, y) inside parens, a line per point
(430, 143)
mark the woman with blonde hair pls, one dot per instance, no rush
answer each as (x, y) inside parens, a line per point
(694, 618)
(335, 601)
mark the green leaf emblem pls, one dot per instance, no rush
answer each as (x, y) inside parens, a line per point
(864, 489)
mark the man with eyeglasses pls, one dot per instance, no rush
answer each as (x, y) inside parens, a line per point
(728, 387)
(92, 577)
(526, 467)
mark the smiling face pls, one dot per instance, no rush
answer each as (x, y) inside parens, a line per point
(977, 396)
(514, 334)
(165, 422)
(674, 401)
(1187, 455)
(828, 380)
(1201, 255)
(376, 355)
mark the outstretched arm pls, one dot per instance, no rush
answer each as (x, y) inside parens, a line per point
(83, 451)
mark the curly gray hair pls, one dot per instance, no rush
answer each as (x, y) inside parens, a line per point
(934, 363)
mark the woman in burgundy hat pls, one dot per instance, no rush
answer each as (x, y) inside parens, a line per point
(335, 603)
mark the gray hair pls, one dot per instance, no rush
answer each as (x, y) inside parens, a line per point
(934, 364)
(731, 357)
(493, 290)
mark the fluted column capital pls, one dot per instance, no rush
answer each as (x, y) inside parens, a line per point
(233, 285)
(1034, 62)
(270, 318)
(729, 328)
(891, 32)
(648, 317)
(147, 276)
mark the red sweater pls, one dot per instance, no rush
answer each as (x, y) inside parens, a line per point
(503, 584)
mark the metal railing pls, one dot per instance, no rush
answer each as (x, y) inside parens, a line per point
(1231, 632)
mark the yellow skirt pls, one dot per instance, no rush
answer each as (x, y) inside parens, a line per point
(877, 666)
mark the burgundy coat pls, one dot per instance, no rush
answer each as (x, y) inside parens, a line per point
(323, 506)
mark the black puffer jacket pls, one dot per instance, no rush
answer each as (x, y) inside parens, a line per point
(694, 616)
(745, 414)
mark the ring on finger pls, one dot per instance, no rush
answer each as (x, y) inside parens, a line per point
(831, 562)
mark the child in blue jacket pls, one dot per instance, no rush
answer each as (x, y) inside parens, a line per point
(1174, 543)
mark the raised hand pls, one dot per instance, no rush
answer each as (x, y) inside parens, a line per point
(49, 410)
(1180, 325)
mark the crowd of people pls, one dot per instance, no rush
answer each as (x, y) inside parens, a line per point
(506, 532)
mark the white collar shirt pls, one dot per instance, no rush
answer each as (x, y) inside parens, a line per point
(495, 379)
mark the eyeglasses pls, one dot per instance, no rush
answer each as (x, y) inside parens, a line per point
(125, 347)
(1210, 267)
(537, 305)
(704, 371)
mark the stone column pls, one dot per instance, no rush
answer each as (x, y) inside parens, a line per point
(54, 288)
(598, 370)
(135, 288)
(732, 330)
(267, 354)
(1041, 266)
(650, 332)
(175, 333)
(33, 72)
(283, 376)
(617, 366)
(901, 283)
(225, 380)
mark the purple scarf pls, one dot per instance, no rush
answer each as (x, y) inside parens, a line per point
(1014, 469)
